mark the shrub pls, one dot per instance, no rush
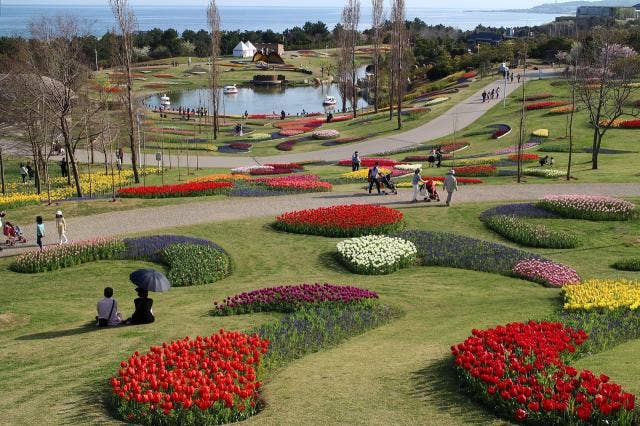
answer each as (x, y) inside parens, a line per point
(475, 171)
(589, 207)
(546, 272)
(195, 264)
(342, 221)
(207, 380)
(376, 254)
(630, 264)
(517, 230)
(290, 298)
(76, 253)
(522, 372)
(193, 189)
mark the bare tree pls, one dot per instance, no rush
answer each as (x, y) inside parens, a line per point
(344, 63)
(604, 87)
(572, 59)
(399, 42)
(56, 61)
(213, 19)
(353, 7)
(523, 109)
(377, 20)
(126, 25)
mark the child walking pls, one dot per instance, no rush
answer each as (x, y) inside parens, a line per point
(39, 231)
(61, 226)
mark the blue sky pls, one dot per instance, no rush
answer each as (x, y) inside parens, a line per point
(466, 4)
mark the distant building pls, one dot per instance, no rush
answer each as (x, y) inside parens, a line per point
(484, 37)
(266, 48)
(607, 12)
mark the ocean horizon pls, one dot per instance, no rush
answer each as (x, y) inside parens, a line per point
(97, 20)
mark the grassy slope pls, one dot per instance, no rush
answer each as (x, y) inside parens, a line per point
(393, 375)
(612, 167)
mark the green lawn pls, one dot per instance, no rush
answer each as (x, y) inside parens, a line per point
(396, 374)
(612, 167)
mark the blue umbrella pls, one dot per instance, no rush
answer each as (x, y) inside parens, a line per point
(150, 280)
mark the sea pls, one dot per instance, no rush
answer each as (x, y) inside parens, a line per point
(15, 19)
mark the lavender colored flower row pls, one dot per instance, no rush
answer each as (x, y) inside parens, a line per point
(525, 210)
(150, 247)
(512, 149)
(589, 207)
(546, 272)
(290, 298)
(457, 251)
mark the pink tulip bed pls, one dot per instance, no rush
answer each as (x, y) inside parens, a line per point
(589, 207)
(290, 298)
(546, 272)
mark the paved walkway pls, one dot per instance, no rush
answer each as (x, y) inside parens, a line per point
(152, 219)
(463, 114)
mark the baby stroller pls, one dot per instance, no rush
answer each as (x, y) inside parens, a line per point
(388, 183)
(13, 234)
(431, 192)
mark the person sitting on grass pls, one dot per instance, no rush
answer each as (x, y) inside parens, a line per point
(107, 307)
(143, 313)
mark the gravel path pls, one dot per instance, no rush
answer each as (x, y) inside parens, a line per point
(153, 219)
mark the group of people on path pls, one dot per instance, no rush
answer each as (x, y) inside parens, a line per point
(491, 94)
(13, 233)
(420, 185)
(108, 314)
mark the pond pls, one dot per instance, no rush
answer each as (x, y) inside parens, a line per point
(260, 100)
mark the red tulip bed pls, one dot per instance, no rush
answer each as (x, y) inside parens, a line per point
(290, 298)
(480, 170)
(371, 161)
(461, 180)
(522, 372)
(287, 145)
(192, 189)
(342, 221)
(270, 171)
(630, 124)
(453, 147)
(206, 380)
(545, 105)
(525, 157)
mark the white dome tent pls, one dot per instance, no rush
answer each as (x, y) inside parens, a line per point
(242, 51)
(251, 47)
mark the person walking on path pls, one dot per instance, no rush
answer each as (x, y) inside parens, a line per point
(61, 226)
(23, 173)
(493, 93)
(432, 157)
(416, 181)
(518, 76)
(438, 157)
(484, 96)
(373, 178)
(497, 93)
(512, 78)
(450, 185)
(355, 162)
(39, 231)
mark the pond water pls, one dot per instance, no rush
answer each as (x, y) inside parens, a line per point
(259, 100)
(262, 100)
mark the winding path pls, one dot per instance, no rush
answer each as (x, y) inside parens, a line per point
(153, 219)
(462, 114)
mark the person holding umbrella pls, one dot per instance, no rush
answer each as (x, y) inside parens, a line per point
(146, 280)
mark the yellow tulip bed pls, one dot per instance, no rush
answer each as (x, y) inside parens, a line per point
(98, 182)
(360, 175)
(602, 294)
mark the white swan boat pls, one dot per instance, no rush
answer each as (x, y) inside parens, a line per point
(329, 100)
(165, 101)
(230, 90)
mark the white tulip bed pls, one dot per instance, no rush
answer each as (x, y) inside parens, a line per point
(376, 254)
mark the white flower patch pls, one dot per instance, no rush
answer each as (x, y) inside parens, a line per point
(411, 167)
(249, 169)
(376, 254)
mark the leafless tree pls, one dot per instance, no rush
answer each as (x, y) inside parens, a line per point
(344, 64)
(604, 87)
(352, 21)
(213, 20)
(126, 23)
(399, 42)
(521, 125)
(55, 60)
(572, 59)
(377, 20)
